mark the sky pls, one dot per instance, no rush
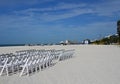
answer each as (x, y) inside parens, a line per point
(51, 21)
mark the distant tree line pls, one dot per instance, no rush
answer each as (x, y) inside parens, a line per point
(114, 39)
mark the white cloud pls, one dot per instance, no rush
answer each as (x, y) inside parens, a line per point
(95, 30)
(57, 12)
(21, 2)
(107, 8)
(69, 6)
(68, 10)
(58, 7)
(65, 15)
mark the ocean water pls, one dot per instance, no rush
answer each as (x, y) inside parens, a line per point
(5, 45)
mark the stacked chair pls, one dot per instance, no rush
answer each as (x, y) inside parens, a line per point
(26, 62)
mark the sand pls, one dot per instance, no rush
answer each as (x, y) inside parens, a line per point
(91, 64)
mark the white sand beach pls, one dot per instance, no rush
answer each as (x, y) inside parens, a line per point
(91, 64)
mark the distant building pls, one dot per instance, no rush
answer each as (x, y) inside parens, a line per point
(62, 43)
(67, 42)
(86, 41)
(118, 27)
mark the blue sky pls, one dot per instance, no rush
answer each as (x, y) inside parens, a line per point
(50, 21)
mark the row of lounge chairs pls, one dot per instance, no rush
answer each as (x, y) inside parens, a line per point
(26, 62)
